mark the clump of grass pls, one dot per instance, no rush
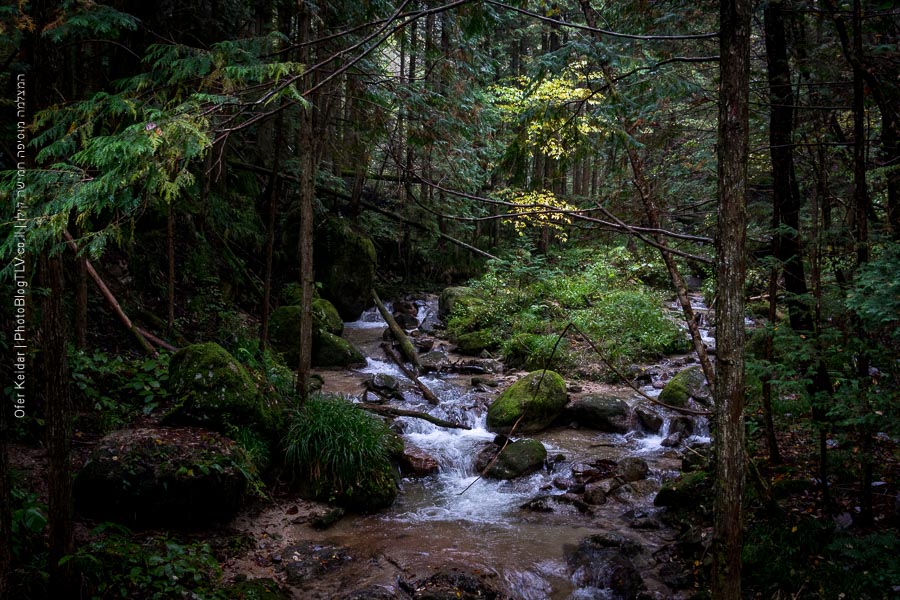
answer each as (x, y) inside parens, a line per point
(342, 454)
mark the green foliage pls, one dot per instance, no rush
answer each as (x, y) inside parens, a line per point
(115, 565)
(342, 453)
(807, 558)
(29, 544)
(875, 295)
(526, 300)
(119, 388)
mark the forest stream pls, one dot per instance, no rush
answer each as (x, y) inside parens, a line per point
(454, 521)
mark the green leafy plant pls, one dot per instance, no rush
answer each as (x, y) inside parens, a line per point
(115, 565)
(119, 388)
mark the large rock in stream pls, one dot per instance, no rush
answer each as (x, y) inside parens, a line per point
(687, 384)
(538, 399)
(329, 349)
(163, 476)
(601, 412)
(519, 458)
(212, 389)
(603, 563)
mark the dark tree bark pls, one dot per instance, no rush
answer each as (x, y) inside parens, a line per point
(733, 149)
(786, 190)
(58, 412)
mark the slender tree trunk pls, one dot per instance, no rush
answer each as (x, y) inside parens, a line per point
(170, 237)
(733, 150)
(272, 197)
(57, 401)
(786, 190)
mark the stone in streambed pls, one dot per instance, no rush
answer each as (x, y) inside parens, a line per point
(519, 458)
(537, 399)
(605, 413)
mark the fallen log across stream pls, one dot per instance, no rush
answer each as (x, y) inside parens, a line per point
(400, 412)
(426, 392)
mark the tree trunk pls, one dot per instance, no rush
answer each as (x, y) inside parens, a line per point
(733, 149)
(272, 197)
(58, 411)
(786, 190)
(170, 238)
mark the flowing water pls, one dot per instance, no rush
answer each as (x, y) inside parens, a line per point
(455, 517)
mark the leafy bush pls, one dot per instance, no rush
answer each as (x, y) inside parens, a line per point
(527, 301)
(113, 565)
(342, 453)
(119, 388)
(29, 544)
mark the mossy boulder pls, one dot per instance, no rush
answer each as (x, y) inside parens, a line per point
(599, 411)
(345, 261)
(519, 458)
(538, 398)
(690, 491)
(450, 297)
(476, 342)
(330, 350)
(284, 327)
(212, 389)
(687, 384)
(163, 476)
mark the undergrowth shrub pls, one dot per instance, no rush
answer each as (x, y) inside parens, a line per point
(114, 565)
(342, 454)
(119, 388)
(527, 302)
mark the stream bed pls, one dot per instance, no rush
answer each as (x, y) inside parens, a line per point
(454, 520)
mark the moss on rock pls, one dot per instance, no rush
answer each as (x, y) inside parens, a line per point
(171, 476)
(687, 384)
(346, 259)
(540, 396)
(476, 342)
(519, 458)
(691, 490)
(330, 350)
(256, 589)
(212, 389)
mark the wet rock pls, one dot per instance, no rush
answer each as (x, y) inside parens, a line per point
(162, 476)
(519, 458)
(636, 491)
(406, 322)
(433, 361)
(416, 462)
(595, 471)
(345, 264)
(306, 562)
(384, 385)
(682, 424)
(538, 398)
(689, 383)
(405, 307)
(256, 589)
(455, 583)
(672, 440)
(649, 419)
(603, 562)
(371, 593)
(594, 495)
(553, 504)
(485, 381)
(424, 345)
(327, 518)
(607, 486)
(600, 412)
(632, 468)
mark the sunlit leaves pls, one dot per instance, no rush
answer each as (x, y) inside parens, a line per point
(538, 209)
